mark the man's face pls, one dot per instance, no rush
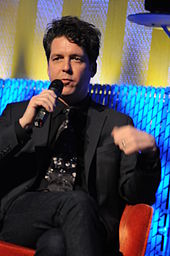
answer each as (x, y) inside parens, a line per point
(69, 63)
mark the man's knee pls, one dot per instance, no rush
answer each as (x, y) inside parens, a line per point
(82, 202)
(51, 243)
(79, 207)
(82, 198)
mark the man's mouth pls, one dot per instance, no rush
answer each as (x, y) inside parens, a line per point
(66, 81)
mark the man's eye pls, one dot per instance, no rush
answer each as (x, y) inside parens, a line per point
(77, 58)
(56, 58)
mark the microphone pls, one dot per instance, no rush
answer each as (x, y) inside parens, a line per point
(42, 114)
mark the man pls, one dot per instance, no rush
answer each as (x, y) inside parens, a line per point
(80, 169)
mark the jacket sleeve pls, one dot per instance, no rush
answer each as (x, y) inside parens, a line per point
(12, 135)
(140, 175)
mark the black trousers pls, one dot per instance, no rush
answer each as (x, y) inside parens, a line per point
(55, 224)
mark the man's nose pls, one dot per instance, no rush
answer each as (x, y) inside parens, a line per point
(67, 66)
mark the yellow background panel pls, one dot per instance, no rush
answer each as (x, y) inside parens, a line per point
(113, 41)
(159, 60)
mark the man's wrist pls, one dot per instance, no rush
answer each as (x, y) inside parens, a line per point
(149, 159)
(23, 123)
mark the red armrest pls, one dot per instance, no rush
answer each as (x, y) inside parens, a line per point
(8, 249)
(134, 229)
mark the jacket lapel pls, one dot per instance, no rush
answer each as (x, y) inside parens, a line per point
(40, 138)
(95, 120)
(40, 135)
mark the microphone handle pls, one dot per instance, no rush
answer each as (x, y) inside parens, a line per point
(41, 117)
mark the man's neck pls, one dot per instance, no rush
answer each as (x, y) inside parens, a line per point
(61, 100)
(68, 100)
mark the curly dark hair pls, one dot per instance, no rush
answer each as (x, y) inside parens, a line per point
(82, 33)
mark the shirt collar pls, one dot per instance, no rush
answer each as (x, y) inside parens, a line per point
(81, 106)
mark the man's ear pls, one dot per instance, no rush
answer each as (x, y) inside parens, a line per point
(93, 69)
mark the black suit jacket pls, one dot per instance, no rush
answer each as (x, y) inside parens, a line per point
(120, 179)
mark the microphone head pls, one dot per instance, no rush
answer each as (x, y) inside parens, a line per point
(57, 86)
